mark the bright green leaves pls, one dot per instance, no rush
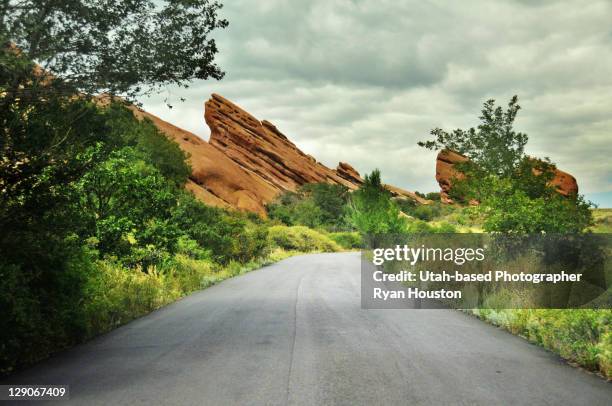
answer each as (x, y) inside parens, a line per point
(373, 212)
(513, 190)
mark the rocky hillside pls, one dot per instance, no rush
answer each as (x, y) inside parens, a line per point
(248, 162)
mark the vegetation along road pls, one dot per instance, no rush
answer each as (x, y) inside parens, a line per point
(294, 333)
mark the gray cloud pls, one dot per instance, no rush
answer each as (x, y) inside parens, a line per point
(363, 81)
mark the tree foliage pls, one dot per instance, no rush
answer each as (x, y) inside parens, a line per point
(507, 208)
(125, 47)
(82, 182)
(513, 190)
(494, 146)
(313, 205)
(128, 203)
(373, 212)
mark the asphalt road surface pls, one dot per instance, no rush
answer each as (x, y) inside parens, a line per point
(295, 333)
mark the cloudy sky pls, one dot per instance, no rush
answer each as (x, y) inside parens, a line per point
(363, 81)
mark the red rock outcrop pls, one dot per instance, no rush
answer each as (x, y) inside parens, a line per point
(445, 172)
(262, 149)
(403, 194)
(247, 162)
(216, 179)
(346, 171)
(564, 183)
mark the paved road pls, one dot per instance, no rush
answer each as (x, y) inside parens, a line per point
(294, 333)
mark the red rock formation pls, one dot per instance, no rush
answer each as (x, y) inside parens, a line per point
(216, 179)
(346, 171)
(261, 148)
(248, 162)
(445, 172)
(564, 182)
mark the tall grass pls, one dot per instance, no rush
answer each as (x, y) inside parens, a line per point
(582, 336)
(115, 295)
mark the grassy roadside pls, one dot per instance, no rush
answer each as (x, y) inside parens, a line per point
(115, 295)
(583, 337)
(118, 295)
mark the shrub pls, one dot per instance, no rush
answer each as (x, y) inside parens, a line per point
(116, 294)
(373, 212)
(508, 209)
(406, 205)
(142, 135)
(190, 248)
(421, 227)
(41, 313)
(426, 212)
(435, 196)
(347, 239)
(313, 205)
(300, 238)
(226, 235)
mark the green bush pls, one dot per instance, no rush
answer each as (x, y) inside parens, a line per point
(347, 239)
(422, 227)
(435, 196)
(373, 212)
(150, 143)
(508, 209)
(300, 238)
(41, 313)
(313, 205)
(226, 235)
(116, 295)
(406, 205)
(426, 212)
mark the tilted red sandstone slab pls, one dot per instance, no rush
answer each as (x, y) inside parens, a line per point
(248, 162)
(216, 179)
(261, 148)
(445, 172)
(564, 183)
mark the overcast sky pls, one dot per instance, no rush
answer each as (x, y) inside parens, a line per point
(363, 81)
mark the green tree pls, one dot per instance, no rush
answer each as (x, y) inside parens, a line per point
(154, 146)
(373, 212)
(313, 205)
(332, 201)
(493, 146)
(129, 202)
(124, 47)
(225, 235)
(60, 181)
(513, 189)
